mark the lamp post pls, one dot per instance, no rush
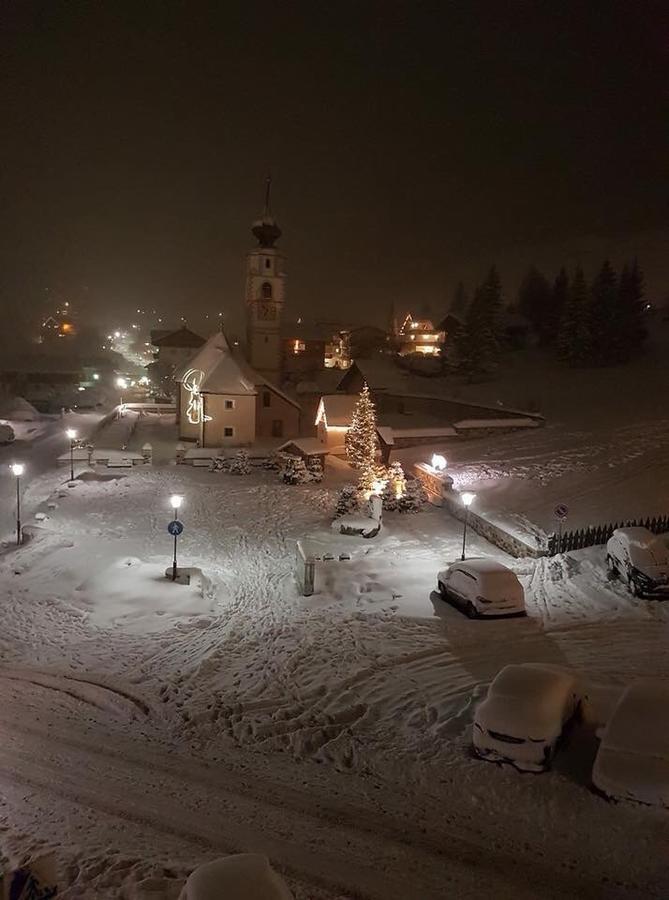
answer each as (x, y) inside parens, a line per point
(18, 470)
(72, 435)
(467, 500)
(175, 502)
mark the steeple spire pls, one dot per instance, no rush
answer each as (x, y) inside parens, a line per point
(265, 230)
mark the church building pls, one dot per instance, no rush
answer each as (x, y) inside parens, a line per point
(226, 399)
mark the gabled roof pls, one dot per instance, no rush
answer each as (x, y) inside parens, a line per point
(182, 337)
(221, 372)
(338, 408)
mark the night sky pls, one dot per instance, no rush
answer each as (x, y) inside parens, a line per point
(410, 144)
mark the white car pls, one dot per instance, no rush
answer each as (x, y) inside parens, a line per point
(524, 715)
(632, 762)
(640, 558)
(482, 587)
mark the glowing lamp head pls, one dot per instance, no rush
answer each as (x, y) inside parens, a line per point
(468, 498)
(17, 469)
(438, 462)
(121, 383)
(71, 433)
(175, 501)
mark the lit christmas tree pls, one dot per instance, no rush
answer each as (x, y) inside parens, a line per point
(361, 441)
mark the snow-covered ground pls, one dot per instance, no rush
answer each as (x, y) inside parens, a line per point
(149, 726)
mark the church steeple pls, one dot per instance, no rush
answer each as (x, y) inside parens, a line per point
(265, 290)
(265, 230)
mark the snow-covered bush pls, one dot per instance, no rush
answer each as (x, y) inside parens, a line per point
(347, 500)
(240, 463)
(219, 464)
(295, 471)
(6, 433)
(276, 460)
(414, 497)
(395, 486)
(315, 468)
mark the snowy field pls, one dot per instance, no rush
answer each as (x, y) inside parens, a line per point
(148, 727)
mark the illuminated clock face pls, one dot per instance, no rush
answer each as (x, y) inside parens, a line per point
(266, 311)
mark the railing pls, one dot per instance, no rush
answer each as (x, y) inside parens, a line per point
(591, 536)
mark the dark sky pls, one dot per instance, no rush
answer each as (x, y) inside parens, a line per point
(411, 144)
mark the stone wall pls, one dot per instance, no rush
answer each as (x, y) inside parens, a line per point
(506, 541)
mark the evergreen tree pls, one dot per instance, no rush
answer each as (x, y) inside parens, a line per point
(604, 317)
(574, 331)
(361, 439)
(295, 471)
(631, 311)
(557, 305)
(347, 500)
(315, 468)
(479, 341)
(414, 497)
(240, 463)
(459, 302)
(534, 302)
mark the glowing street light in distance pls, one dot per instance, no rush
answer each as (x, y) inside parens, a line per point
(468, 498)
(17, 469)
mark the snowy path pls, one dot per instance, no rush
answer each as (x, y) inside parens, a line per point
(324, 841)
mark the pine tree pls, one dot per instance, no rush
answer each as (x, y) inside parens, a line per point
(534, 302)
(361, 439)
(574, 332)
(295, 471)
(347, 500)
(240, 463)
(604, 317)
(414, 497)
(315, 468)
(631, 311)
(459, 302)
(480, 340)
(557, 305)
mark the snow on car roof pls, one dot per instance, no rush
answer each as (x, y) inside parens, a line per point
(640, 721)
(532, 680)
(482, 564)
(640, 537)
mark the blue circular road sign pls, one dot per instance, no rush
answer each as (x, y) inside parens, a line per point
(175, 527)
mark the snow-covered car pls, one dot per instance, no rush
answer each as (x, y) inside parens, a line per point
(242, 875)
(640, 558)
(482, 587)
(632, 762)
(524, 715)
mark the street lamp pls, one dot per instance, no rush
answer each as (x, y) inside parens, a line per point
(72, 435)
(18, 470)
(467, 500)
(175, 502)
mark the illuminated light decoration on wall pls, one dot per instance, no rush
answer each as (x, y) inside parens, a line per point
(195, 411)
(438, 462)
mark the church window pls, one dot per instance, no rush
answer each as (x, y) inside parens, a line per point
(229, 404)
(266, 290)
(267, 264)
(266, 398)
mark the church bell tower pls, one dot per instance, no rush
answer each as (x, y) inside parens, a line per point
(265, 288)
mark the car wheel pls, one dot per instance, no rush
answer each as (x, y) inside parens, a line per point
(471, 610)
(612, 568)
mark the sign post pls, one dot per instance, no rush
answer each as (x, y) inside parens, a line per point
(561, 512)
(175, 528)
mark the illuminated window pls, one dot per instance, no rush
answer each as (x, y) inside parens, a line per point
(229, 404)
(298, 346)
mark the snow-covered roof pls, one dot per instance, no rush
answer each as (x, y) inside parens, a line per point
(182, 337)
(339, 408)
(221, 371)
(259, 380)
(310, 446)
(440, 431)
(386, 435)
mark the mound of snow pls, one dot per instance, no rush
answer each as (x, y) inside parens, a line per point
(21, 411)
(247, 876)
(6, 433)
(138, 597)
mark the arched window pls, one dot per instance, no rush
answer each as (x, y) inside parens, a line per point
(266, 290)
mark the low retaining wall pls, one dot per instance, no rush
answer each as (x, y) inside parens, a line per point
(510, 543)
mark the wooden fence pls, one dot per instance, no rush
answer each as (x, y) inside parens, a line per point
(589, 537)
